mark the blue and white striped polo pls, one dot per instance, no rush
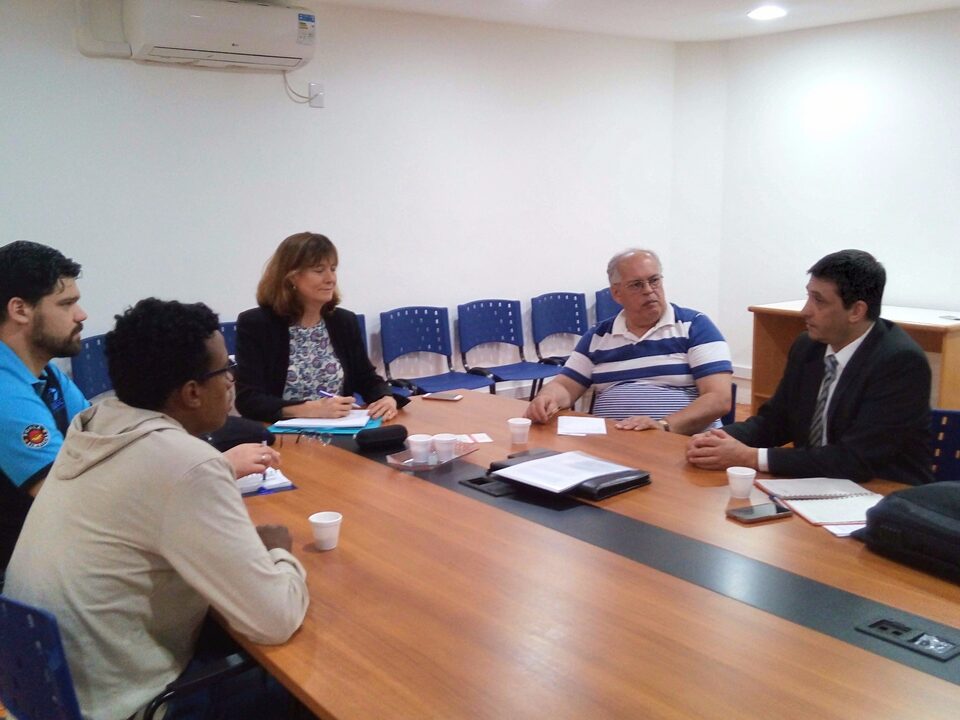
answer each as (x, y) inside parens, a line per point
(652, 375)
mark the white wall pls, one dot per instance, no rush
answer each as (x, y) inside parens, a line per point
(454, 160)
(842, 137)
(459, 159)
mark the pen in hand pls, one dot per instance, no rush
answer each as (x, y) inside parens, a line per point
(324, 393)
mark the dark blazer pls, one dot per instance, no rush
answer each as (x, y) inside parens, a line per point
(878, 421)
(263, 356)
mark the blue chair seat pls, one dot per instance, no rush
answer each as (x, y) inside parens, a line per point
(524, 371)
(450, 381)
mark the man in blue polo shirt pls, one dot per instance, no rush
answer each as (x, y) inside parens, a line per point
(655, 365)
(40, 319)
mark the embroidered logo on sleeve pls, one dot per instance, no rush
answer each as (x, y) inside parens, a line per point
(35, 436)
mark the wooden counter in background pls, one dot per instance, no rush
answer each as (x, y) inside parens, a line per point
(776, 326)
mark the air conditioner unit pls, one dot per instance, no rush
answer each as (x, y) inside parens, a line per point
(220, 33)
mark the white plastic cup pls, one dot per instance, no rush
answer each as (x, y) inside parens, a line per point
(326, 529)
(420, 447)
(446, 446)
(519, 430)
(741, 481)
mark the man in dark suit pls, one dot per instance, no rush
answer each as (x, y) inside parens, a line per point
(854, 398)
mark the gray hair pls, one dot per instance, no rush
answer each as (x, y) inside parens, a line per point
(613, 267)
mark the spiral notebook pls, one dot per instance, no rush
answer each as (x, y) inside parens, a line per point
(823, 501)
(817, 488)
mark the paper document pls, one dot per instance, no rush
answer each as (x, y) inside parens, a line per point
(575, 425)
(356, 418)
(843, 530)
(559, 473)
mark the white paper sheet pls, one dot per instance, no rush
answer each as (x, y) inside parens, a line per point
(356, 418)
(575, 425)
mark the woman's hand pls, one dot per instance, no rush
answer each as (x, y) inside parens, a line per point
(385, 407)
(250, 458)
(331, 407)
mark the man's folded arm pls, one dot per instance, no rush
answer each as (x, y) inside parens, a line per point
(209, 539)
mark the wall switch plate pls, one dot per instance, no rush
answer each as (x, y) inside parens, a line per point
(315, 94)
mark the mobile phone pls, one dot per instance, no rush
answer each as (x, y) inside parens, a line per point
(452, 396)
(759, 513)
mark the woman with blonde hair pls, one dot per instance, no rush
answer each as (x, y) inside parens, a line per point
(298, 353)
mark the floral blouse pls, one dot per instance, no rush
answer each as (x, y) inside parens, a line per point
(314, 368)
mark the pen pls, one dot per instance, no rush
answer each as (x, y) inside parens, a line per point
(326, 394)
(263, 475)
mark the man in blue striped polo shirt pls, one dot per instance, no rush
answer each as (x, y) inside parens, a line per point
(655, 365)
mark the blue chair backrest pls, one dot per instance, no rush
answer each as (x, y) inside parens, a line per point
(489, 321)
(35, 682)
(229, 331)
(362, 322)
(607, 307)
(946, 444)
(559, 312)
(89, 367)
(415, 329)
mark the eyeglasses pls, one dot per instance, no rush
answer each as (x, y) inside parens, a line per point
(230, 370)
(636, 286)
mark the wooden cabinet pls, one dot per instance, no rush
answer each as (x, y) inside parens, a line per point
(776, 326)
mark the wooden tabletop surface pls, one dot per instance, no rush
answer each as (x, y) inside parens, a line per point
(436, 605)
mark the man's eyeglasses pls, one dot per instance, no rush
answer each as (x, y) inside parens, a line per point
(230, 370)
(636, 286)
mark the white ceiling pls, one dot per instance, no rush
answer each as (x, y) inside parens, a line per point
(676, 20)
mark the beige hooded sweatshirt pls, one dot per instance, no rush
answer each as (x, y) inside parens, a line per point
(138, 529)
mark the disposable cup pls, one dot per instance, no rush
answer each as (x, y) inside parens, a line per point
(741, 480)
(519, 430)
(446, 445)
(420, 447)
(326, 529)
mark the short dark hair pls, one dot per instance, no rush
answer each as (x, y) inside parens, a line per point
(31, 271)
(858, 276)
(157, 347)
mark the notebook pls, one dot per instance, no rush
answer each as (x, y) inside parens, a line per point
(851, 509)
(811, 488)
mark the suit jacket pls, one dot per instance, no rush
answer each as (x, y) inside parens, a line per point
(878, 421)
(263, 356)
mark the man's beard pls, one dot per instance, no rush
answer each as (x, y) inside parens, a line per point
(56, 346)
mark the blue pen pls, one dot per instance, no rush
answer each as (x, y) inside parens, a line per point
(324, 393)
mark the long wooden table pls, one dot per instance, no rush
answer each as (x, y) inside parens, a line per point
(437, 604)
(777, 325)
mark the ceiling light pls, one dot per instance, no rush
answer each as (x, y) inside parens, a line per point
(767, 12)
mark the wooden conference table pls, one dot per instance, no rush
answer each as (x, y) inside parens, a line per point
(442, 602)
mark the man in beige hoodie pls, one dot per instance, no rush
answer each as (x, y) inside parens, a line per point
(140, 528)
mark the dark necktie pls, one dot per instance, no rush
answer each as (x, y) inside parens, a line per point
(820, 411)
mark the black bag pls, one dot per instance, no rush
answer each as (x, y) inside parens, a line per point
(238, 430)
(919, 526)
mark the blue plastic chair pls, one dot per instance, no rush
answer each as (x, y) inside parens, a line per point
(731, 416)
(362, 322)
(554, 314)
(499, 321)
(607, 307)
(89, 368)
(424, 329)
(946, 444)
(229, 332)
(35, 680)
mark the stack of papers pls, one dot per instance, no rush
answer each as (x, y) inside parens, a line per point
(350, 424)
(559, 473)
